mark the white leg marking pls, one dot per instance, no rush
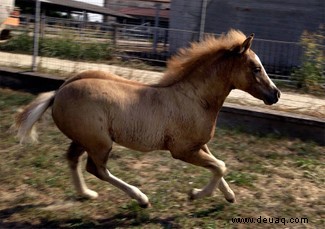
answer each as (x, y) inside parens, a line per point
(207, 190)
(223, 185)
(226, 190)
(212, 185)
(80, 185)
(131, 190)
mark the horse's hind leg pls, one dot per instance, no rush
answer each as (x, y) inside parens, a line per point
(96, 164)
(74, 156)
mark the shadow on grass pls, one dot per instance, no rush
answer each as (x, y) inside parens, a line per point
(8, 212)
(124, 219)
(213, 211)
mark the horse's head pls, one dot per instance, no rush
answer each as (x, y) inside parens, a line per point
(250, 75)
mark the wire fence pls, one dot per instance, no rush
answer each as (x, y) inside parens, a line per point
(146, 40)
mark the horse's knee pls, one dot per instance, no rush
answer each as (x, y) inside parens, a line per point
(222, 167)
(218, 167)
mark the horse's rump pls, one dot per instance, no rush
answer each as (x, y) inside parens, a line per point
(131, 114)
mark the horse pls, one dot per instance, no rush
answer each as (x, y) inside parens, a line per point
(178, 114)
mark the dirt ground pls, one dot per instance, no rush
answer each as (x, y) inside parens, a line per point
(279, 183)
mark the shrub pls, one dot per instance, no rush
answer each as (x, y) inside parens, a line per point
(310, 75)
(22, 43)
(61, 47)
(69, 48)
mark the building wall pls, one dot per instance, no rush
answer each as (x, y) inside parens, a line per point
(270, 20)
(273, 19)
(184, 23)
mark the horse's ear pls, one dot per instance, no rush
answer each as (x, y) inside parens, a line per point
(246, 44)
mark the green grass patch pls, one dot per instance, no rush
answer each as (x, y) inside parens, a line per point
(241, 178)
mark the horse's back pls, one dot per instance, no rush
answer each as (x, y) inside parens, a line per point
(96, 74)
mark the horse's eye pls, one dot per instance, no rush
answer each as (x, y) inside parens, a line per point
(257, 70)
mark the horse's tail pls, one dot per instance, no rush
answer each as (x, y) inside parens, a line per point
(26, 119)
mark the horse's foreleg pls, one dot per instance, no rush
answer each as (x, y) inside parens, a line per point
(223, 185)
(96, 165)
(226, 190)
(205, 159)
(208, 161)
(74, 156)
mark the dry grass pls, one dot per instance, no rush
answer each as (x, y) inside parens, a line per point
(271, 176)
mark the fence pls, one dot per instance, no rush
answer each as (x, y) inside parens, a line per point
(141, 41)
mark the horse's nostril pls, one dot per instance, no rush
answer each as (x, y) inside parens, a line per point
(278, 93)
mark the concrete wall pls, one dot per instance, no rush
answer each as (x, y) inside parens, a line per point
(271, 20)
(263, 122)
(251, 120)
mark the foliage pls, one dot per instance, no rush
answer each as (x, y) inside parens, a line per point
(69, 48)
(65, 47)
(22, 43)
(310, 75)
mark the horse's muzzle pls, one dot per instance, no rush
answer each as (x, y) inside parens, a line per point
(273, 97)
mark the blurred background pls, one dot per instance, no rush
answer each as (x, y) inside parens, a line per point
(153, 30)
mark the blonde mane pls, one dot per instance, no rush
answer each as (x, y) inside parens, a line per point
(188, 59)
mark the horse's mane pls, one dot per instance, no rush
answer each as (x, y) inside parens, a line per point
(187, 59)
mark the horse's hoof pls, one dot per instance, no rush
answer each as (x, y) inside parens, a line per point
(192, 195)
(231, 200)
(145, 205)
(90, 194)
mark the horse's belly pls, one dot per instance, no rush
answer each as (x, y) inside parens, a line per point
(139, 147)
(139, 140)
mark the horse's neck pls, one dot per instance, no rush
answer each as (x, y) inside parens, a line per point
(208, 87)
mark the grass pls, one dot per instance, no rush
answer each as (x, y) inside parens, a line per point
(271, 176)
(241, 178)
